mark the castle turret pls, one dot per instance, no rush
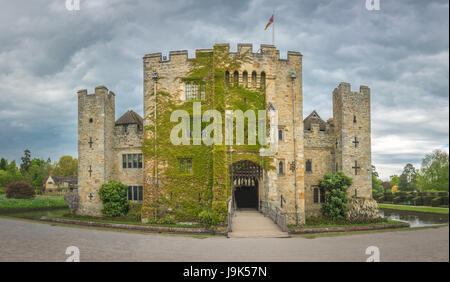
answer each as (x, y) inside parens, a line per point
(351, 117)
(96, 114)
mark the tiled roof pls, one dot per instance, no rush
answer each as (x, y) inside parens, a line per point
(314, 118)
(130, 117)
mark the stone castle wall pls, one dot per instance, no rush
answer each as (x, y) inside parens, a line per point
(330, 150)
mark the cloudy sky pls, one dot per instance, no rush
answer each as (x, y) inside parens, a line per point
(47, 53)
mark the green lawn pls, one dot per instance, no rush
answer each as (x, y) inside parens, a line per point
(35, 203)
(330, 224)
(122, 220)
(414, 208)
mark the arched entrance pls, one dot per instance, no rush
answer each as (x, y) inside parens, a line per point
(245, 178)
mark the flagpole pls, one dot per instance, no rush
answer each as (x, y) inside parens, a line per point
(273, 29)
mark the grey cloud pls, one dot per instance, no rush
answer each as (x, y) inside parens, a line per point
(47, 53)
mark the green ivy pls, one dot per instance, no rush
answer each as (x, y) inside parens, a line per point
(203, 194)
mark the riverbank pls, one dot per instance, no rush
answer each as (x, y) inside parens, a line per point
(423, 209)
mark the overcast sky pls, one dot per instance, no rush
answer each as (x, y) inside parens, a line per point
(401, 52)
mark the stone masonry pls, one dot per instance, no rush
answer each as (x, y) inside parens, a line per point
(340, 144)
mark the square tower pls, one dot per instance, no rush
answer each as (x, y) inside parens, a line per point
(96, 113)
(351, 114)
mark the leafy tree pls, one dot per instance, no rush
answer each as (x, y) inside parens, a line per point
(336, 198)
(394, 180)
(114, 197)
(386, 185)
(408, 181)
(434, 173)
(377, 188)
(26, 161)
(37, 172)
(10, 174)
(66, 166)
(3, 164)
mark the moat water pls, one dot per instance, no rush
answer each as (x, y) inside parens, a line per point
(415, 219)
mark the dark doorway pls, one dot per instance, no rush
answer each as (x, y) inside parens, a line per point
(245, 177)
(246, 197)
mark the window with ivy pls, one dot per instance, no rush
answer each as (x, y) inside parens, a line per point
(185, 165)
(195, 91)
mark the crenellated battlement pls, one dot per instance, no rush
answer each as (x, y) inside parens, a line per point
(99, 90)
(345, 87)
(265, 51)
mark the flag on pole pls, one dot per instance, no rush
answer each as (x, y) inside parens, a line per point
(270, 22)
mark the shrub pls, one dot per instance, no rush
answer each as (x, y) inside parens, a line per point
(134, 212)
(336, 198)
(436, 202)
(361, 209)
(114, 197)
(207, 218)
(427, 200)
(72, 199)
(2, 191)
(19, 190)
(388, 197)
(418, 201)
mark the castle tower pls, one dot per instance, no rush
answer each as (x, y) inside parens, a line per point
(351, 115)
(96, 114)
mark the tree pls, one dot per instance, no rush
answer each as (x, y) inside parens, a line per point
(408, 181)
(26, 161)
(37, 172)
(336, 198)
(377, 188)
(3, 164)
(10, 174)
(394, 180)
(66, 166)
(434, 173)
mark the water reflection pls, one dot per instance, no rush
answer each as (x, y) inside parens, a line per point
(415, 219)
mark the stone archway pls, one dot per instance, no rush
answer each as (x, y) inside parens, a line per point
(246, 176)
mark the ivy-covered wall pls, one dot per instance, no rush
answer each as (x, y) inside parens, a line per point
(201, 194)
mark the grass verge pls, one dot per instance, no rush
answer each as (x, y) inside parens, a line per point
(414, 208)
(335, 234)
(38, 202)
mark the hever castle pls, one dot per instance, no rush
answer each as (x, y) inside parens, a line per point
(189, 181)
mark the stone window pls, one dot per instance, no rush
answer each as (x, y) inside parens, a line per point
(280, 134)
(263, 80)
(227, 78)
(245, 78)
(139, 160)
(188, 91)
(132, 161)
(254, 79)
(195, 91)
(316, 195)
(309, 166)
(185, 166)
(322, 195)
(135, 193)
(91, 120)
(354, 118)
(236, 78)
(281, 168)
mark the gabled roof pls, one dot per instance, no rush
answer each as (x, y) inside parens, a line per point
(130, 117)
(314, 118)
